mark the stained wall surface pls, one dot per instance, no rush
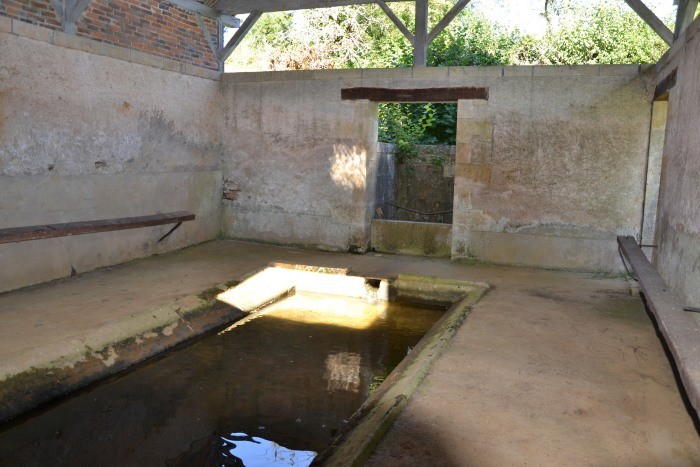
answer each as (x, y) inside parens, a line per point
(85, 137)
(301, 159)
(548, 170)
(678, 222)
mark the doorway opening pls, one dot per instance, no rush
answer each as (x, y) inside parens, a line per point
(416, 152)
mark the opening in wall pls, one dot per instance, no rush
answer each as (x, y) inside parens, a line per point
(657, 135)
(415, 180)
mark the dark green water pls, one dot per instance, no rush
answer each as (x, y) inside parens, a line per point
(293, 376)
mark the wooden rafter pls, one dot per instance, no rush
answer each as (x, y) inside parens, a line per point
(70, 12)
(447, 19)
(422, 38)
(396, 20)
(239, 35)
(684, 16)
(652, 20)
(207, 11)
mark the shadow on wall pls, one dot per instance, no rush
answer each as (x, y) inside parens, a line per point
(348, 167)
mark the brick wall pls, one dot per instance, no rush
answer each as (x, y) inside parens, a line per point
(154, 27)
(38, 12)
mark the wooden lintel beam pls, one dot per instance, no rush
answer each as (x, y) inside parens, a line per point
(664, 86)
(447, 19)
(36, 232)
(680, 331)
(652, 20)
(684, 16)
(239, 35)
(414, 95)
(396, 20)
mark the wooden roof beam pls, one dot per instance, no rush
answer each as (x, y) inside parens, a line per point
(70, 12)
(652, 20)
(396, 20)
(684, 16)
(239, 35)
(195, 7)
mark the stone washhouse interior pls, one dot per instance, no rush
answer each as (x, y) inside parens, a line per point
(147, 198)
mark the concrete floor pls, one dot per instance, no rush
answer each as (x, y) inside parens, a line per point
(550, 368)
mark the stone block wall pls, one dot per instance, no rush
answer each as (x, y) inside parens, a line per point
(387, 171)
(152, 27)
(677, 257)
(426, 184)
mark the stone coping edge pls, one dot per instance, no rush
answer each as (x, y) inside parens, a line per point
(373, 419)
(109, 350)
(454, 72)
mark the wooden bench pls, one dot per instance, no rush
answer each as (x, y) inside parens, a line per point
(679, 329)
(36, 232)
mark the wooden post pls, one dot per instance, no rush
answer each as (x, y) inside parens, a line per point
(420, 46)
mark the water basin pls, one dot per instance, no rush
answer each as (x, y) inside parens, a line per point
(272, 389)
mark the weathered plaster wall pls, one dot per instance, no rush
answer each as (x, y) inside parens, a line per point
(551, 168)
(678, 222)
(301, 159)
(547, 173)
(86, 137)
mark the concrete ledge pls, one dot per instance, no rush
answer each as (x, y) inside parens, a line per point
(411, 238)
(541, 251)
(29, 380)
(85, 44)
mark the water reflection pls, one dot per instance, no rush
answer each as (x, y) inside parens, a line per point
(343, 372)
(254, 451)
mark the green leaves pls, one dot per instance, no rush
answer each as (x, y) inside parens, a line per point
(601, 33)
(407, 126)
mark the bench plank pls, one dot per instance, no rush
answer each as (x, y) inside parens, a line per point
(22, 234)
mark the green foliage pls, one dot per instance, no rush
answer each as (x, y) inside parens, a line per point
(361, 36)
(405, 125)
(602, 33)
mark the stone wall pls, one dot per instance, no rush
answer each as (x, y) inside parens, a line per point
(154, 27)
(549, 170)
(678, 224)
(426, 184)
(387, 168)
(85, 137)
